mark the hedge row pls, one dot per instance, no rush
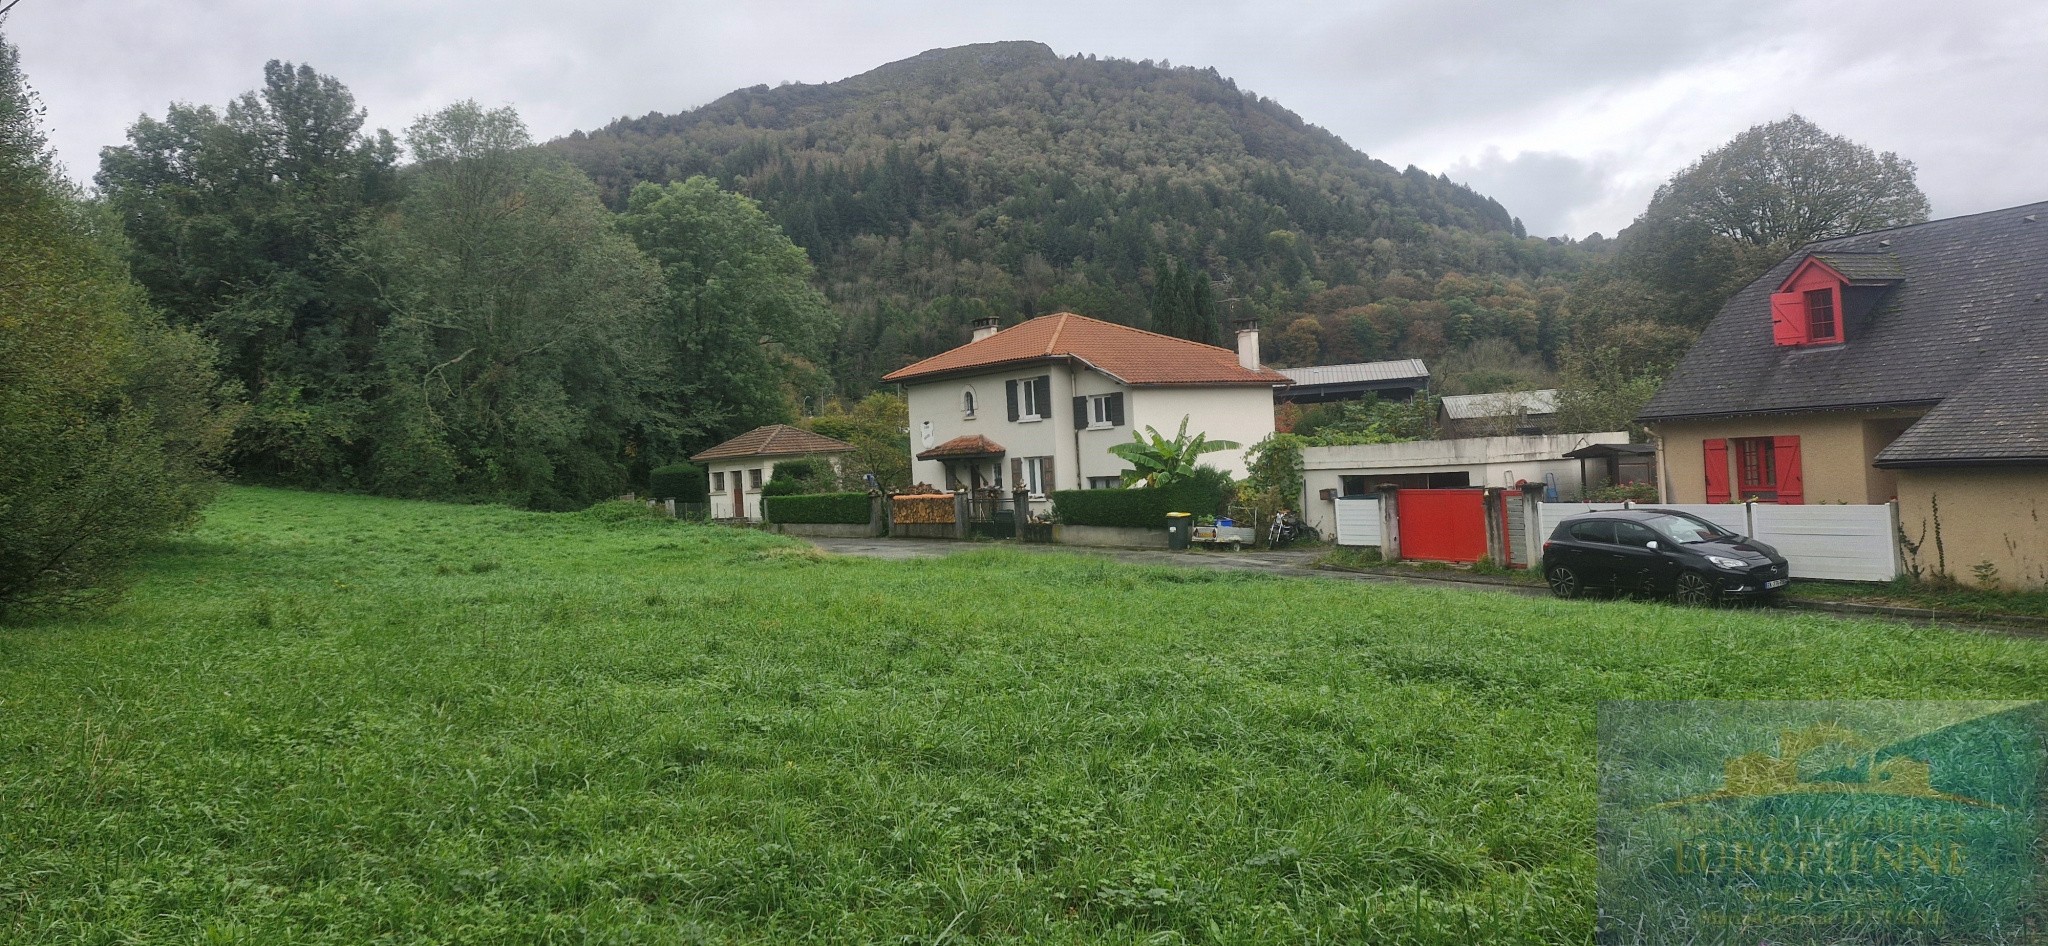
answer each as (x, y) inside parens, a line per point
(829, 508)
(682, 482)
(1141, 508)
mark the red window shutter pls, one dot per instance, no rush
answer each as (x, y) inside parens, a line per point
(1017, 473)
(1788, 318)
(1716, 452)
(1791, 481)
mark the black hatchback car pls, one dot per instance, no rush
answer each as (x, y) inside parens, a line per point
(1658, 553)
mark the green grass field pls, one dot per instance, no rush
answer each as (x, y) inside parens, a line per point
(350, 720)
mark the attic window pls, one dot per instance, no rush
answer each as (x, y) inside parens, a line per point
(1807, 308)
(1820, 316)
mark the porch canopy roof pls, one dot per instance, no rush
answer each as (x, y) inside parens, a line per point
(1608, 450)
(970, 447)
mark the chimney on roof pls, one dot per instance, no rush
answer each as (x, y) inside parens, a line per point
(1248, 343)
(983, 328)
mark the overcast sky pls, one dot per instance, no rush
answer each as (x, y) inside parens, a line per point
(1569, 113)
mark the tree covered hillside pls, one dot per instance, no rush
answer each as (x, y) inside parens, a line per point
(1002, 179)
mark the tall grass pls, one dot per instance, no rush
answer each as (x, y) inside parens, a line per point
(341, 719)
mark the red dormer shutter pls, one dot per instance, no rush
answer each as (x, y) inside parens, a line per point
(1788, 318)
(1791, 481)
(1716, 452)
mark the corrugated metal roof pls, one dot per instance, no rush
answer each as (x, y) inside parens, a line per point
(1501, 404)
(1401, 369)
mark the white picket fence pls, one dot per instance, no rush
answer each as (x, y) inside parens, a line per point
(1358, 520)
(1842, 543)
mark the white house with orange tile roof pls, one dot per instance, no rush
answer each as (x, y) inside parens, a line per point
(739, 467)
(1039, 404)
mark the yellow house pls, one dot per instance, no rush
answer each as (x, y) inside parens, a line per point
(1908, 364)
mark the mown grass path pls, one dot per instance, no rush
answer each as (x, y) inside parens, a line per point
(351, 720)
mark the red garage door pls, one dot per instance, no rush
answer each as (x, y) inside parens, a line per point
(1442, 525)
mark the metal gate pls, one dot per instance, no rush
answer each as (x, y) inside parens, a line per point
(1515, 522)
(1442, 525)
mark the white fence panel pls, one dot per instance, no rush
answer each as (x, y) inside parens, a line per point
(1844, 543)
(1841, 543)
(1358, 520)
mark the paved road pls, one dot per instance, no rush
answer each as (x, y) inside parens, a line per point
(1286, 562)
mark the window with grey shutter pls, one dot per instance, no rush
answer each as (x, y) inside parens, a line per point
(1044, 385)
(1081, 412)
(1116, 409)
(1010, 388)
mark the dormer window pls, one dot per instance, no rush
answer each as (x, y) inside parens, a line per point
(1807, 308)
(1821, 325)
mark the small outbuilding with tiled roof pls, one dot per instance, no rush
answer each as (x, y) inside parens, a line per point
(1039, 404)
(1907, 364)
(738, 467)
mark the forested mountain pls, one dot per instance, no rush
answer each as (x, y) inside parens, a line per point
(1002, 179)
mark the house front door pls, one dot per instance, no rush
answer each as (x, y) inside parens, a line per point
(739, 500)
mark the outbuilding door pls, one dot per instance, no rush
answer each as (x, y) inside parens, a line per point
(1442, 525)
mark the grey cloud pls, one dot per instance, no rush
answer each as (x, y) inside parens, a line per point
(1543, 188)
(1958, 86)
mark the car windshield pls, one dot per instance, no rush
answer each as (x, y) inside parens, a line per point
(1688, 530)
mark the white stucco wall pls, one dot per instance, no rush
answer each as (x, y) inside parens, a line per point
(1489, 461)
(1241, 413)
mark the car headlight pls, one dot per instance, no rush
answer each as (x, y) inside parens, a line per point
(1734, 563)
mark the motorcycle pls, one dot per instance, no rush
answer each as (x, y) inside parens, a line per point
(1285, 528)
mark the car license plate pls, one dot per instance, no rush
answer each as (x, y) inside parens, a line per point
(1774, 583)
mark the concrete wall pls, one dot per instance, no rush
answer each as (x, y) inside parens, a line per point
(1108, 536)
(1240, 413)
(1835, 452)
(1962, 517)
(1489, 461)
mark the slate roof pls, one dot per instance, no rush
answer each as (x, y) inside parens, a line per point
(1501, 404)
(971, 445)
(1132, 356)
(1401, 369)
(1964, 330)
(1865, 267)
(774, 440)
(2002, 417)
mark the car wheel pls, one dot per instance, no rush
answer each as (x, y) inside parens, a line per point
(1564, 581)
(1693, 588)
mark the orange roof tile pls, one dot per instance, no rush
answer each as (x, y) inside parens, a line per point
(774, 440)
(1130, 355)
(971, 445)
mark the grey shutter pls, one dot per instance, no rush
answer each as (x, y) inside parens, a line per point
(1044, 383)
(1116, 409)
(1011, 388)
(1045, 474)
(1080, 412)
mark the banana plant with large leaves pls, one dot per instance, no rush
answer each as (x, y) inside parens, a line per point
(1157, 461)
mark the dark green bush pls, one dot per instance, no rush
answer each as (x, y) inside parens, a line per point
(1207, 492)
(810, 474)
(682, 482)
(828, 508)
(781, 487)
